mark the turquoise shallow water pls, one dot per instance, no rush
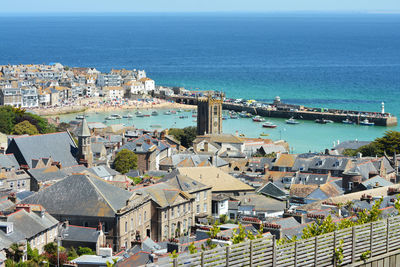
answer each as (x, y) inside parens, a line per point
(348, 61)
(304, 137)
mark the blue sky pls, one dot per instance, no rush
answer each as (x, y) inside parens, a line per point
(46, 6)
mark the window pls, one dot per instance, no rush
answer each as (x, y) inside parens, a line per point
(42, 237)
(205, 194)
(184, 224)
(189, 206)
(180, 209)
(350, 185)
(205, 207)
(184, 208)
(165, 214)
(198, 209)
(131, 223)
(126, 227)
(140, 219)
(145, 216)
(197, 196)
(172, 212)
(11, 184)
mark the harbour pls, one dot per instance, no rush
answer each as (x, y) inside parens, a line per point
(278, 109)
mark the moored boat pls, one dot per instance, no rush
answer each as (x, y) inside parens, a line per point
(154, 113)
(269, 125)
(347, 121)
(366, 122)
(258, 119)
(292, 121)
(127, 116)
(167, 113)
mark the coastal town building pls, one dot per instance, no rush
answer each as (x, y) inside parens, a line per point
(209, 115)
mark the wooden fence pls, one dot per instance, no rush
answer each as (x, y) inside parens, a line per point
(371, 240)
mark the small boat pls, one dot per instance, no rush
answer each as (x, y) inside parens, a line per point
(138, 112)
(225, 118)
(127, 116)
(180, 110)
(146, 115)
(173, 111)
(154, 113)
(292, 121)
(80, 117)
(243, 114)
(183, 117)
(194, 115)
(116, 116)
(264, 134)
(323, 121)
(269, 125)
(167, 113)
(109, 118)
(258, 119)
(234, 117)
(155, 126)
(241, 135)
(366, 122)
(347, 121)
(140, 115)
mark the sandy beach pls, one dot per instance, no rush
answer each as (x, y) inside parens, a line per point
(99, 105)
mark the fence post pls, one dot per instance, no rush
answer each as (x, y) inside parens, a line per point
(334, 248)
(387, 235)
(353, 245)
(371, 235)
(202, 259)
(273, 252)
(227, 256)
(251, 252)
(316, 251)
(295, 254)
(175, 262)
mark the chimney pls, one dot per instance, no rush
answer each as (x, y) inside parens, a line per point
(148, 141)
(205, 146)
(25, 207)
(162, 135)
(298, 216)
(12, 197)
(100, 227)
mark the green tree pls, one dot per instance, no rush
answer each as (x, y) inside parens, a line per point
(125, 161)
(185, 135)
(25, 127)
(350, 152)
(72, 254)
(389, 143)
(15, 252)
(85, 251)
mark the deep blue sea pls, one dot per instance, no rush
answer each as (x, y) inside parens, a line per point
(325, 60)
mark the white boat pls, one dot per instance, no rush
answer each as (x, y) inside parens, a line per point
(80, 117)
(258, 119)
(128, 116)
(347, 121)
(269, 124)
(167, 113)
(116, 116)
(154, 113)
(366, 122)
(109, 118)
(292, 121)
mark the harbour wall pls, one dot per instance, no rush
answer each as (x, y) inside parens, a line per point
(338, 116)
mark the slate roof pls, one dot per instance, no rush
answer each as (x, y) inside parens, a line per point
(285, 160)
(376, 181)
(261, 202)
(162, 194)
(144, 144)
(30, 224)
(59, 146)
(270, 189)
(81, 234)
(350, 144)
(81, 195)
(103, 171)
(53, 173)
(184, 183)
(8, 161)
(300, 190)
(83, 129)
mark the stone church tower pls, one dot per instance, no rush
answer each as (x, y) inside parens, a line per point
(209, 115)
(85, 155)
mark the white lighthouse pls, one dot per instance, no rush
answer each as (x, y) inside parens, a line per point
(383, 108)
